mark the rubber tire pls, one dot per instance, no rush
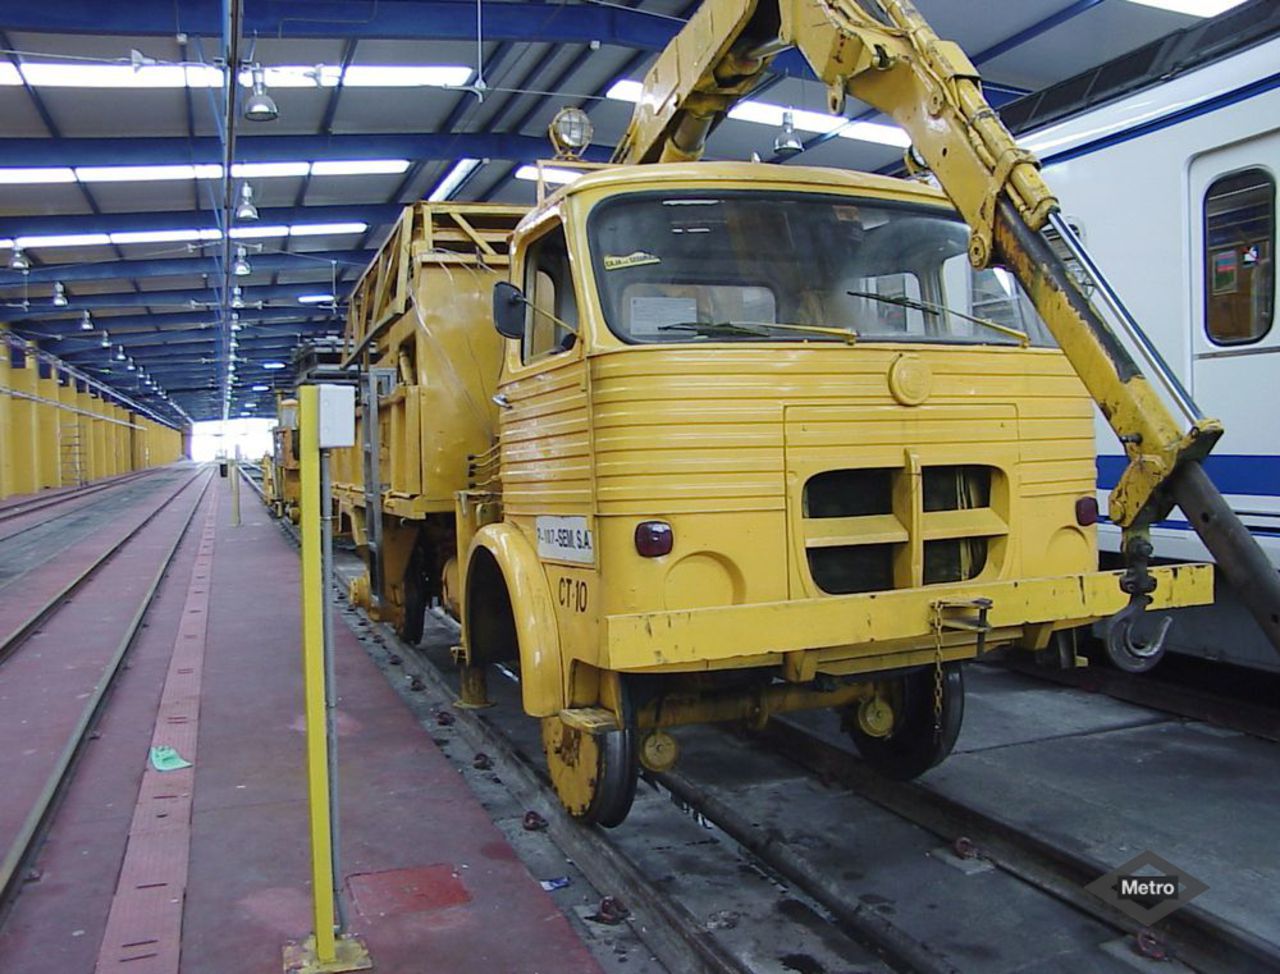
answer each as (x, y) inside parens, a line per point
(415, 599)
(914, 745)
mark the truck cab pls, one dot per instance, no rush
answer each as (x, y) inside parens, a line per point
(766, 441)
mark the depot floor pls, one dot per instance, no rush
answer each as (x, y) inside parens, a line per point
(426, 873)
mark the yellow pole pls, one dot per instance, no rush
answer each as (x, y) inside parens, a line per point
(323, 952)
(313, 677)
(235, 489)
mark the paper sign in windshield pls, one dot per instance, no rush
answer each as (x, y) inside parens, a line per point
(637, 258)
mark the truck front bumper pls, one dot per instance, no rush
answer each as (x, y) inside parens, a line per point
(880, 630)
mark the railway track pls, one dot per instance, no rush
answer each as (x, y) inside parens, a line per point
(22, 509)
(15, 631)
(1183, 697)
(75, 724)
(799, 792)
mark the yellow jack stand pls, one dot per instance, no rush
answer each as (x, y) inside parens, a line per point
(473, 685)
(349, 954)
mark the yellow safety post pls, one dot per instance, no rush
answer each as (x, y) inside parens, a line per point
(235, 488)
(7, 476)
(323, 951)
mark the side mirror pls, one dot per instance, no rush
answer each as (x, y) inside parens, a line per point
(508, 310)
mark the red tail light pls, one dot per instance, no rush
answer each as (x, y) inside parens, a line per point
(654, 538)
(1086, 511)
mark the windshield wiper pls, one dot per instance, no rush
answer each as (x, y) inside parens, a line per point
(711, 328)
(928, 307)
(757, 329)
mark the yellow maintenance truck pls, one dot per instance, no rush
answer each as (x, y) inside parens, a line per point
(693, 441)
(281, 476)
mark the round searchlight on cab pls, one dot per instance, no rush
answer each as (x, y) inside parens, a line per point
(570, 132)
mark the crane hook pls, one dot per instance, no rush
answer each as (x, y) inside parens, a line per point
(1124, 650)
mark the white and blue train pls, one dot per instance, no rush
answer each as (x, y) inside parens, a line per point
(1173, 189)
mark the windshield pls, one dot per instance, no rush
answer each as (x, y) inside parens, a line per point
(694, 266)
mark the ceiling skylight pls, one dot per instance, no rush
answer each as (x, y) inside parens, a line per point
(35, 176)
(128, 174)
(81, 74)
(455, 178)
(767, 113)
(260, 170)
(1193, 8)
(550, 174)
(181, 235)
(212, 170)
(64, 240)
(254, 232)
(405, 76)
(359, 167)
(320, 229)
(165, 236)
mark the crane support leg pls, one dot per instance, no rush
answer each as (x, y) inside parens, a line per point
(1239, 558)
(1162, 471)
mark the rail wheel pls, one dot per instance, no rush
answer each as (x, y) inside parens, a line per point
(594, 775)
(416, 596)
(917, 739)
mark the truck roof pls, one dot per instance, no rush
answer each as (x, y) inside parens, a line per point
(753, 174)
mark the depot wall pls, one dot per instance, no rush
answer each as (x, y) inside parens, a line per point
(58, 431)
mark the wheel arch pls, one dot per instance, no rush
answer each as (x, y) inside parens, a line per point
(503, 573)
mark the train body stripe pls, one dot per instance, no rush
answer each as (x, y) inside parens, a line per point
(1241, 473)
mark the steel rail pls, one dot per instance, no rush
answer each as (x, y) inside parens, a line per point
(1152, 691)
(1200, 939)
(1196, 937)
(10, 642)
(39, 503)
(23, 845)
(607, 867)
(253, 482)
(133, 478)
(677, 938)
(864, 924)
(679, 942)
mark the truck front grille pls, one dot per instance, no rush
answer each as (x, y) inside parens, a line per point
(874, 529)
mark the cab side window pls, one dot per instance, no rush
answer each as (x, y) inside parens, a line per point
(1239, 250)
(548, 284)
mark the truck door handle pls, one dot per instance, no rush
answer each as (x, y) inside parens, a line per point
(502, 401)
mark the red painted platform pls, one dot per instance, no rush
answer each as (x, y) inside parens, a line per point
(430, 883)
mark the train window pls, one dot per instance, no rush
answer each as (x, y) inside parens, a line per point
(1239, 252)
(548, 284)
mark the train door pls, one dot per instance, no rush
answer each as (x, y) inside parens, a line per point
(1235, 338)
(1235, 346)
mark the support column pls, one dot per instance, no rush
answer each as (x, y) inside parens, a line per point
(101, 445)
(70, 434)
(88, 448)
(22, 425)
(47, 429)
(6, 423)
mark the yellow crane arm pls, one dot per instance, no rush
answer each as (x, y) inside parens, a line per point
(891, 59)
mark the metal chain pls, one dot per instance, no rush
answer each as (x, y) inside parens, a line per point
(937, 670)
